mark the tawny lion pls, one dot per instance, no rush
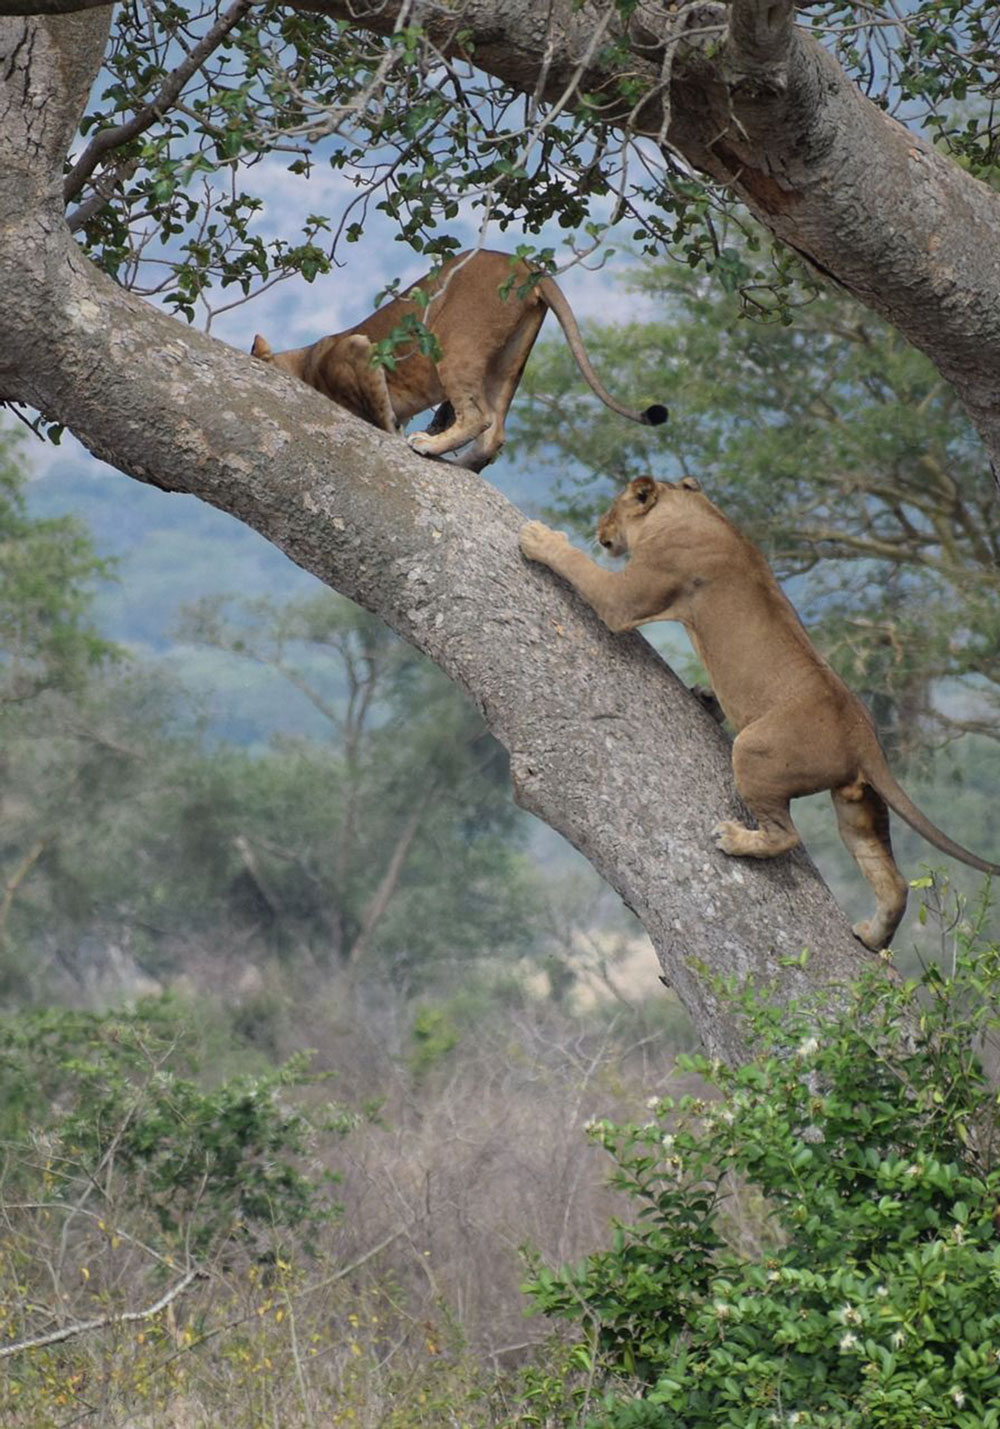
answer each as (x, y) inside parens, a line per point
(485, 310)
(800, 729)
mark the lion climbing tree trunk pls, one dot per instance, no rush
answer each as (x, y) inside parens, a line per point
(605, 745)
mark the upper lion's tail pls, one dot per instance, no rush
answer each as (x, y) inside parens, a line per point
(882, 779)
(555, 299)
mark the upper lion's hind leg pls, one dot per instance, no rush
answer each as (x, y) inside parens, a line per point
(442, 419)
(863, 821)
(486, 448)
(467, 404)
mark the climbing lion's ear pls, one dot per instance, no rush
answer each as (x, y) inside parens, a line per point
(261, 348)
(690, 483)
(644, 491)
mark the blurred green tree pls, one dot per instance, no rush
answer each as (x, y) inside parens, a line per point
(49, 569)
(49, 651)
(814, 1241)
(398, 837)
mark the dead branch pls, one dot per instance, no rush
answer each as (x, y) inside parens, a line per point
(125, 1317)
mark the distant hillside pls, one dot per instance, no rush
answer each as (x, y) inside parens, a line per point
(169, 549)
(172, 549)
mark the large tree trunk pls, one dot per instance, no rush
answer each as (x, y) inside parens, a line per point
(605, 744)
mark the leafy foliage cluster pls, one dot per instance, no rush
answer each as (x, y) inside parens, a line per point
(868, 1137)
(110, 1110)
(172, 207)
(131, 1179)
(194, 99)
(132, 1159)
(933, 64)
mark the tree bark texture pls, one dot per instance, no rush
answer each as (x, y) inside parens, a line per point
(757, 104)
(605, 744)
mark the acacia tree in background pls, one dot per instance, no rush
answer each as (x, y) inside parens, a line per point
(397, 833)
(603, 744)
(133, 849)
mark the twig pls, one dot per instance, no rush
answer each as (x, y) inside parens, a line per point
(83, 1327)
(109, 139)
(66, 1208)
(340, 1274)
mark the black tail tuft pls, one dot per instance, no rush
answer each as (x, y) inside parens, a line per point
(655, 415)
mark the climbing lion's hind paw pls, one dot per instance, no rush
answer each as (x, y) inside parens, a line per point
(731, 837)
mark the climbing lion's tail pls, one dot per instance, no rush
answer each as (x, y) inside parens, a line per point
(882, 779)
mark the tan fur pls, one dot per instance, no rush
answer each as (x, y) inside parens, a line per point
(485, 340)
(799, 728)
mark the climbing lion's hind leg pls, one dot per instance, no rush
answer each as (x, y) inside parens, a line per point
(863, 821)
(765, 797)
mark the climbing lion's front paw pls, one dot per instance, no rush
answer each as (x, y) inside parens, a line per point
(539, 542)
(723, 834)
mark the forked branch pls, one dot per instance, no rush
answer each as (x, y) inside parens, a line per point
(760, 32)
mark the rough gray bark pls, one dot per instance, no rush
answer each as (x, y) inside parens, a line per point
(605, 744)
(757, 104)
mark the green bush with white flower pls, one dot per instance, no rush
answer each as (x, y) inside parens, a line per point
(816, 1242)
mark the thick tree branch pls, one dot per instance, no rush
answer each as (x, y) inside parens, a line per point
(46, 71)
(26, 8)
(760, 33)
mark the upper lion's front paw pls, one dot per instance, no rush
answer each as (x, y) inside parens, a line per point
(538, 540)
(421, 442)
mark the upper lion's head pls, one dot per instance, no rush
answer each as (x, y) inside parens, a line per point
(263, 350)
(617, 527)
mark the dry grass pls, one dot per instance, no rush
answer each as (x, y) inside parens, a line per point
(406, 1310)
